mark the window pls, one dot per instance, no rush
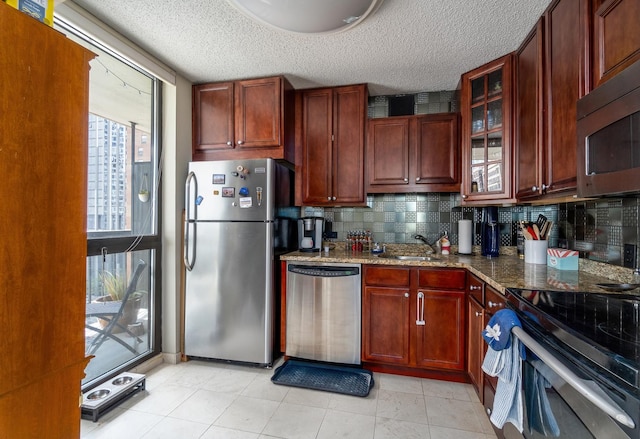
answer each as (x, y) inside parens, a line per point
(123, 247)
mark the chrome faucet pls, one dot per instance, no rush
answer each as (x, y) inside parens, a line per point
(430, 247)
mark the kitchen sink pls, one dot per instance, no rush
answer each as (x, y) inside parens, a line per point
(410, 257)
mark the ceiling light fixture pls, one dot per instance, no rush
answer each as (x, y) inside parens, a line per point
(308, 16)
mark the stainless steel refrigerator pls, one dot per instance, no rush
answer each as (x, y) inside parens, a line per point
(229, 257)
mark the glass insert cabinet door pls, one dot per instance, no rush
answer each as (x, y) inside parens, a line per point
(486, 106)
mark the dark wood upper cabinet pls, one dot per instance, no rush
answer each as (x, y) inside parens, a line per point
(243, 119)
(387, 153)
(550, 78)
(213, 117)
(486, 102)
(529, 113)
(615, 39)
(413, 154)
(331, 170)
(564, 83)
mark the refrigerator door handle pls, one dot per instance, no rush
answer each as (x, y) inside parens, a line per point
(188, 223)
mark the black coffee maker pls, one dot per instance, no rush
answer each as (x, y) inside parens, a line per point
(490, 230)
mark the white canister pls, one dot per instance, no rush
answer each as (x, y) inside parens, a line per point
(465, 236)
(535, 251)
(306, 242)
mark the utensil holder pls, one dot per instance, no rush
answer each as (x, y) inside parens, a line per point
(535, 251)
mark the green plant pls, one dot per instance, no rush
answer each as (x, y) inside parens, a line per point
(116, 286)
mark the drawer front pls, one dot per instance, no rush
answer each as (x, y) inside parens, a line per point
(386, 276)
(476, 289)
(437, 278)
(494, 301)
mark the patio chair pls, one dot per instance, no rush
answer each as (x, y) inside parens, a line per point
(112, 312)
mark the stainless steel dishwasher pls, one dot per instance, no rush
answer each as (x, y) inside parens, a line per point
(324, 311)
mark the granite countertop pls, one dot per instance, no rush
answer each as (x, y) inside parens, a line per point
(505, 271)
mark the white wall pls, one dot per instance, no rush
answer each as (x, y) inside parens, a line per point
(176, 144)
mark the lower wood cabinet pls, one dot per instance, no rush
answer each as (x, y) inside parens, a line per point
(483, 301)
(414, 317)
(475, 346)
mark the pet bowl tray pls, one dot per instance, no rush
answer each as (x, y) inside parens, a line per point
(106, 396)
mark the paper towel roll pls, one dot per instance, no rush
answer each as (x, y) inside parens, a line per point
(465, 237)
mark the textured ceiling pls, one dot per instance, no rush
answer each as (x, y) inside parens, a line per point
(407, 46)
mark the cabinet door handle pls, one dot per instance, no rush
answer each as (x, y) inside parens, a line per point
(229, 143)
(417, 179)
(406, 294)
(535, 188)
(406, 180)
(494, 304)
(328, 198)
(464, 197)
(333, 198)
(420, 309)
(478, 314)
(240, 142)
(475, 287)
(545, 187)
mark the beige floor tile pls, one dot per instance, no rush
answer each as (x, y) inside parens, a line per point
(461, 415)
(216, 432)
(230, 380)
(171, 428)
(392, 429)
(452, 433)
(128, 424)
(221, 401)
(483, 420)
(193, 375)
(445, 389)
(261, 387)
(355, 404)
(401, 406)
(308, 397)
(160, 401)
(292, 421)
(345, 425)
(399, 383)
(247, 414)
(203, 406)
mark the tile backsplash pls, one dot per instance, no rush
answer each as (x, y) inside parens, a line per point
(598, 228)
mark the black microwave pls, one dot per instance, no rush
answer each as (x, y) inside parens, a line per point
(609, 137)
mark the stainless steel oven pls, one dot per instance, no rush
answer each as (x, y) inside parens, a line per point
(581, 374)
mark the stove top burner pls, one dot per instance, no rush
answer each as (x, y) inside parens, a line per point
(619, 333)
(603, 328)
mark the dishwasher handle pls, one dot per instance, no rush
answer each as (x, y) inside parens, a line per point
(324, 271)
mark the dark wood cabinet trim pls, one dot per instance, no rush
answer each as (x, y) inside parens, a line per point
(614, 53)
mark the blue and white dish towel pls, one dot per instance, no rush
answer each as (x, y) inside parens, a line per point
(504, 360)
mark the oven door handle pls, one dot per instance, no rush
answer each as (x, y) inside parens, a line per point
(580, 385)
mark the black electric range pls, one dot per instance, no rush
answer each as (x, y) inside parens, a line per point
(600, 331)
